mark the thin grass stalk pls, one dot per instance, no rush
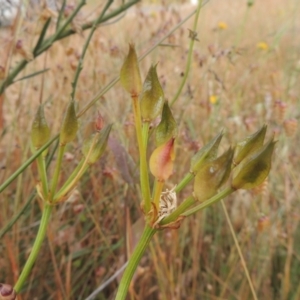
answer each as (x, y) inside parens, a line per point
(239, 250)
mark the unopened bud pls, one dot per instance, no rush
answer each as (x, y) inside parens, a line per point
(207, 153)
(162, 160)
(70, 125)
(255, 169)
(167, 128)
(40, 132)
(130, 73)
(250, 145)
(94, 147)
(152, 96)
(212, 176)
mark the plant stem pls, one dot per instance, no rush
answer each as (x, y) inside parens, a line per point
(35, 249)
(87, 42)
(145, 134)
(134, 261)
(60, 155)
(190, 54)
(43, 174)
(209, 202)
(144, 176)
(184, 182)
(188, 202)
(239, 251)
(12, 177)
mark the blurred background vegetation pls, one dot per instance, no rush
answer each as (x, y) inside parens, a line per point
(245, 73)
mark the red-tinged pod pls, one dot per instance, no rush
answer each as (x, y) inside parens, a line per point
(162, 160)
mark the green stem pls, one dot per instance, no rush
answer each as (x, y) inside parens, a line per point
(184, 182)
(79, 67)
(144, 175)
(145, 134)
(188, 202)
(48, 43)
(209, 202)
(60, 155)
(43, 174)
(190, 55)
(134, 261)
(12, 177)
(64, 188)
(35, 249)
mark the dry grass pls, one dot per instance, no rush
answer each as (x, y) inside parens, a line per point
(242, 76)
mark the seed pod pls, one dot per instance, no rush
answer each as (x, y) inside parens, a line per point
(207, 153)
(152, 96)
(250, 145)
(96, 145)
(255, 169)
(7, 292)
(70, 125)
(162, 160)
(130, 73)
(40, 131)
(212, 175)
(167, 128)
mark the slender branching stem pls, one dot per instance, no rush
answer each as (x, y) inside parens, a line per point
(227, 191)
(87, 42)
(35, 248)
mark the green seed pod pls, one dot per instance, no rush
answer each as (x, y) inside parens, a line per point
(152, 96)
(70, 125)
(255, 169)
(250, 145)
(40, 132)
(130, 73)
(212, 176)
(207, 153)
(167, 128)
(94, 147)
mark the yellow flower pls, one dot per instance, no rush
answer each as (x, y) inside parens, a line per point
(213, 99)
(222, 25)
(262, 46)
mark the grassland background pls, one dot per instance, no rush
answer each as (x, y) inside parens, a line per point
(245, 73)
